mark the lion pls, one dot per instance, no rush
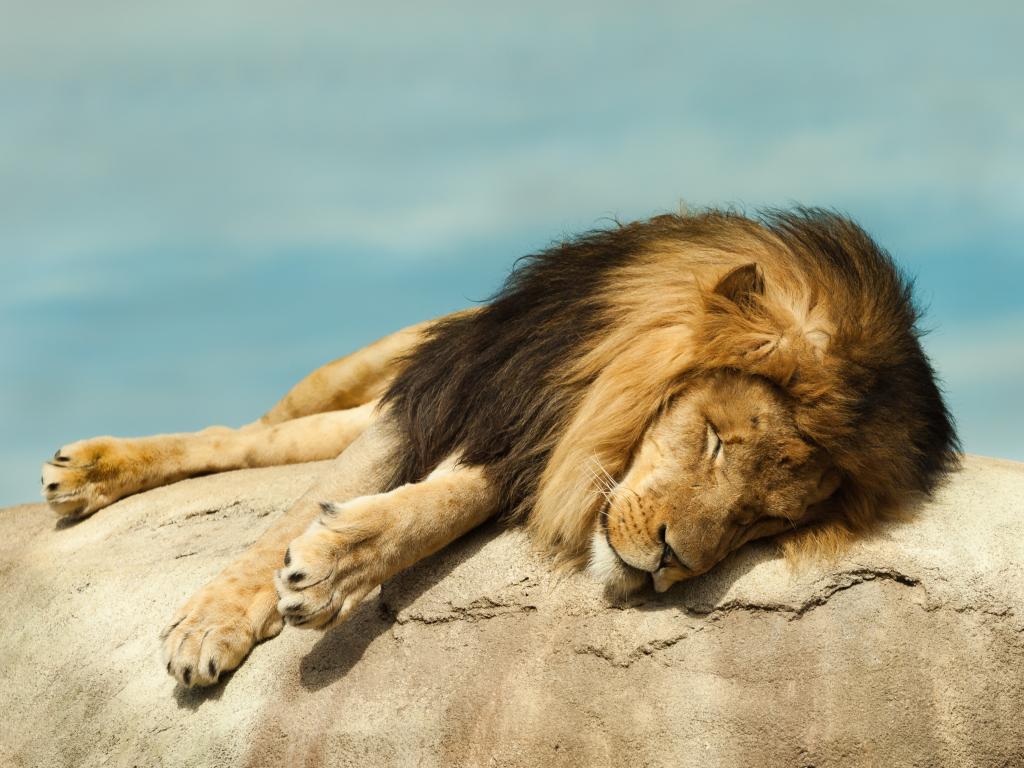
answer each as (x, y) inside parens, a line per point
(645, 399)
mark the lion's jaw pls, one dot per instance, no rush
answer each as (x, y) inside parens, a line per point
(722, 466)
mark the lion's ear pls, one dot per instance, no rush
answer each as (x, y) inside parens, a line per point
(742, 285)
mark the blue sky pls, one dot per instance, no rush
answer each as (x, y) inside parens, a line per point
(200, 202)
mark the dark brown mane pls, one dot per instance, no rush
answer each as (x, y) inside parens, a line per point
(502, 385)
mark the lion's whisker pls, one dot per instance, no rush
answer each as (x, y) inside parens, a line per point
(605, 492)
(594, 477)
(598, 478)
(611, 480)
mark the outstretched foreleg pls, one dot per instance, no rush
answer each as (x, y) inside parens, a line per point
(355, 546)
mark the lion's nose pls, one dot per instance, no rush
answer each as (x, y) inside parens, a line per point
(669, 556)
(666, 550)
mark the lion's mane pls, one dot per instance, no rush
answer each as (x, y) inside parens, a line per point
(590, 339)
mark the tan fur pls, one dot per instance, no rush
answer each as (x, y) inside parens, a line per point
(722, 466)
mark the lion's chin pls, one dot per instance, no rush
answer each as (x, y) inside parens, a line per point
(619, 579)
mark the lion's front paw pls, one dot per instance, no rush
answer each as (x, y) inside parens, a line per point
(88, 475)
(216, 629)
(330, 569)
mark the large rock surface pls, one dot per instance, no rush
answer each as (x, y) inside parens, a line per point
(907, 652)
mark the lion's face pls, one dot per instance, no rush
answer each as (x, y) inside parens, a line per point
(722, 466)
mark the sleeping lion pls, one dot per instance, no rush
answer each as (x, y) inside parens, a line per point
(644, 400)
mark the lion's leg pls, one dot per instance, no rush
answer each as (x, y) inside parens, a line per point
(91, 474)
(355, 546)
(221, 623)
(349, 381)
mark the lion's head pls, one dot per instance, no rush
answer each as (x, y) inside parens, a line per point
(651, 397)
(724, 464)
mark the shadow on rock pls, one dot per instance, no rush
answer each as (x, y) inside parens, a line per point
(338, 651)
(193, 698)
(69, 521)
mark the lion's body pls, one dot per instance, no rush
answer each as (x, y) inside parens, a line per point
(587, 358)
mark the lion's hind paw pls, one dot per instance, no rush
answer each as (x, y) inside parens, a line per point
(83, 477)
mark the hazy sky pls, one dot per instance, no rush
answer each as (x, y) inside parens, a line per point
(200, 202)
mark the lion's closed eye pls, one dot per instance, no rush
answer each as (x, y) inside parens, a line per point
(748, 517)
(714, 448)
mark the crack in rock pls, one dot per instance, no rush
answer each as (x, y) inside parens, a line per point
(650, 648)
(1000, 612)
(840, 583)
(227, 510)
(479, 609)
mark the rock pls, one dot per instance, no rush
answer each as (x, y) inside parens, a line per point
(907, 652)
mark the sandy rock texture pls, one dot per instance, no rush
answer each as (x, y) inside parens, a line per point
(907, 652)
